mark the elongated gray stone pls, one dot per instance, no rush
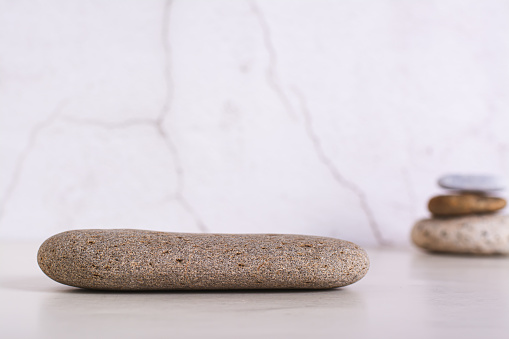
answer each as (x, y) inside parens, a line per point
(472, 183)
(130, 260)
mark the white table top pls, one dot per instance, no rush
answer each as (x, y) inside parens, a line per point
(406, 294)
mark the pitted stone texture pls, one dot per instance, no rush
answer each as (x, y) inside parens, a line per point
(487, 234)
(452, 205)
(130, 260)
(472, 183)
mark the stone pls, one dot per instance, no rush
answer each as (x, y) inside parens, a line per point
(139, 260)
(477, 234)
(452, 205)
(471, 183)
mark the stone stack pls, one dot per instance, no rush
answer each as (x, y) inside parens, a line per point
(465, 221)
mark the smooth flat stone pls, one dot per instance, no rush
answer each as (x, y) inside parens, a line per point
(453, 205)
(472, 183)
(131, 260)
(488, 234)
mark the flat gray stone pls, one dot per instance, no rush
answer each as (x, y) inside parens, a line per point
(132, 260)
(472, 183)
(487, 234)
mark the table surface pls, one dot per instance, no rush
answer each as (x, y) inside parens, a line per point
(406, 294)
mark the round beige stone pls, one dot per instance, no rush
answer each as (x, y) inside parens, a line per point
(131, 260)
(452, 205)
(486, 234)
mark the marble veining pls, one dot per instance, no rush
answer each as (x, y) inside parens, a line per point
(336, 174)
(326, 118)
(271, 73)
(20, 163)
(273, 82)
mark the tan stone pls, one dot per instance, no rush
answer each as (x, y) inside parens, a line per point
(476, 234)
(451, 205)
(126, 259)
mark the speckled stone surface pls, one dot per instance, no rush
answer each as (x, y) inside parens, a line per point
(451, 205)
(488, 234)
(131, 260)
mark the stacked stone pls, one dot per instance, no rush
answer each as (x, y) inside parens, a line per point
(465, 221)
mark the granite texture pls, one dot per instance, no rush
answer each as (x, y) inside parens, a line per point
(132, 260)
(452, 205)
(488, 234)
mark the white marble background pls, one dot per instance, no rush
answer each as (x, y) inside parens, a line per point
(317, 117)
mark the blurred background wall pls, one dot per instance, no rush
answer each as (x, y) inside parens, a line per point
(318, 117)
